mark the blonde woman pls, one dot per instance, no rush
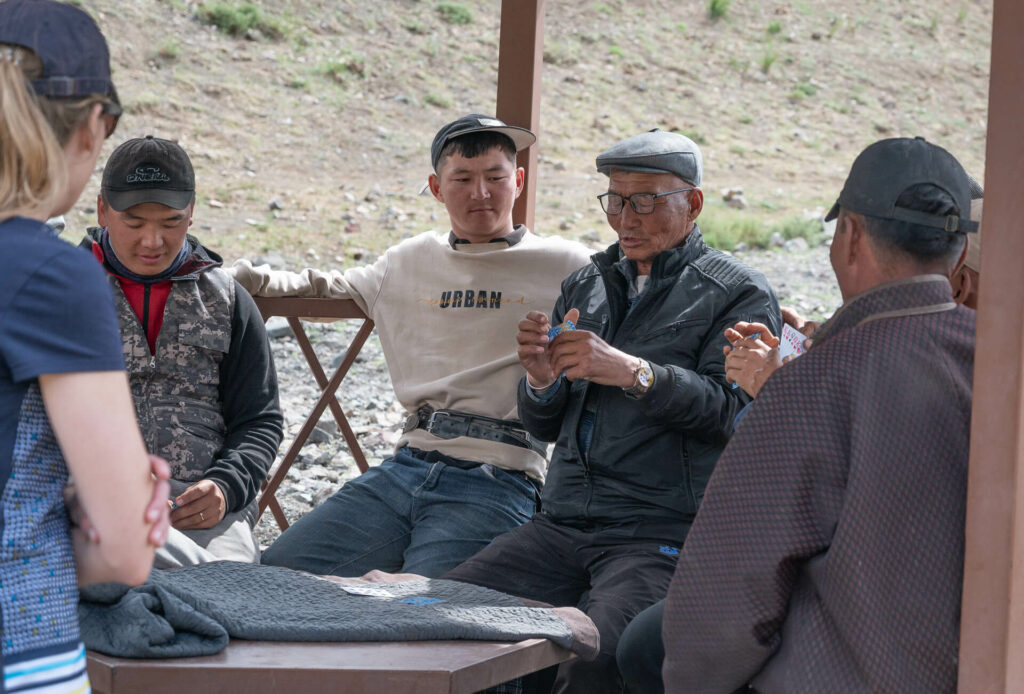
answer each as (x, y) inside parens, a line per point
(64, 401)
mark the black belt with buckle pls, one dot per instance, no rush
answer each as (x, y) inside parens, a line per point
(450, 424)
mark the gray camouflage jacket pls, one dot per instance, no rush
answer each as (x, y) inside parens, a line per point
(206, 399)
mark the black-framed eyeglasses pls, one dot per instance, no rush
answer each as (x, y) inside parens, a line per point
(642, 203)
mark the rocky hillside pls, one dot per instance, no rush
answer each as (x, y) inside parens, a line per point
(311, 134)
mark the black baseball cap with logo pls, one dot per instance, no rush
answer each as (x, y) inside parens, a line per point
(148, 169)
(476, 123)
(888, 168)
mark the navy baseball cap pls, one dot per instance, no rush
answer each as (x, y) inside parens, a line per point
(885, 170)
(76, 62)
(476, 123)
(657, 151)
(148, 169)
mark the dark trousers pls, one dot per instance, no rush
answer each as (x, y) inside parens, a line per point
(608, 576)
(641, 652)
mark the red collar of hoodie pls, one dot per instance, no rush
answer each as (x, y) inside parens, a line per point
(148, 301)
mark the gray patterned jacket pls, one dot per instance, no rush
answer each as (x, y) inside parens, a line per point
(207, 399)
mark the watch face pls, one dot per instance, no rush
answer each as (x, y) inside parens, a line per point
(645, 377)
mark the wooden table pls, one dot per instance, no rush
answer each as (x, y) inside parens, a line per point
(269, 667)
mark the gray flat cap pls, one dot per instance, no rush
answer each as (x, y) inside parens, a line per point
(656, 151)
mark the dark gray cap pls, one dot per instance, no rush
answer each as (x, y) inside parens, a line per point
(656, 151)
(148, 169)
(885, 170)
(478, 123)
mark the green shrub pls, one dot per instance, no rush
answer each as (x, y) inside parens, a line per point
(717, 9)
(799, 227)
(806, 88)
(454, 13)
(335, 70)
(437, 100)
(169, 50)
(767, 60)
(774, 28)
(724, 228)
(236, 20)
(560, 53)
(694, 135)
(740, 66)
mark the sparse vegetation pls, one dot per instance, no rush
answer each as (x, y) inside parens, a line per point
(725, 228)
(454, 13)
(774, 28)
(693, 135)
(740, 66)
(240, 19)
(334, 70)
(806, 88)
(169, 50)
(717, 9)
(560, 53)
(416, 27)
(437, 100)
(799, 227)
(335, 119)
(768, 59)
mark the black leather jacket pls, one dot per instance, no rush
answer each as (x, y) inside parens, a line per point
(649, 459)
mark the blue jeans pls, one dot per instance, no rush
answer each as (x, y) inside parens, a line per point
(406, 515)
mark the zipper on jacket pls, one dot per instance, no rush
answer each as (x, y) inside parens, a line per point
(145, 315)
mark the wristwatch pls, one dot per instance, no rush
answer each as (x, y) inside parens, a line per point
(643, 379)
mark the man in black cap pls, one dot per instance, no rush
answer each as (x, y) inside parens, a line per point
(446, 307)
(196, 351)
(828, 553)
(634, 396)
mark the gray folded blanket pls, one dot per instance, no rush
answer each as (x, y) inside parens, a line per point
(193, 611)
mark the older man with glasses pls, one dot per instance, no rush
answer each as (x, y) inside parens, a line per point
(630, 385)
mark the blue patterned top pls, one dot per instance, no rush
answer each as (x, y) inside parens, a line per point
(56, 316)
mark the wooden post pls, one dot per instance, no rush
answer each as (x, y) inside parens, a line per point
(992, 622)
(520, 58)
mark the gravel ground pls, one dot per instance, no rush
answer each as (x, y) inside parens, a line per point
(802, 278)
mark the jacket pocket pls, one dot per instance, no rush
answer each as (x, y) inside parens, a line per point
(189, 435)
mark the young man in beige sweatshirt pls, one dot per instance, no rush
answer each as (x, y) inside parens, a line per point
(446, 307)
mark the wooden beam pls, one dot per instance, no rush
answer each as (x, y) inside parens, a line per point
(520, 58)
(992, 622)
